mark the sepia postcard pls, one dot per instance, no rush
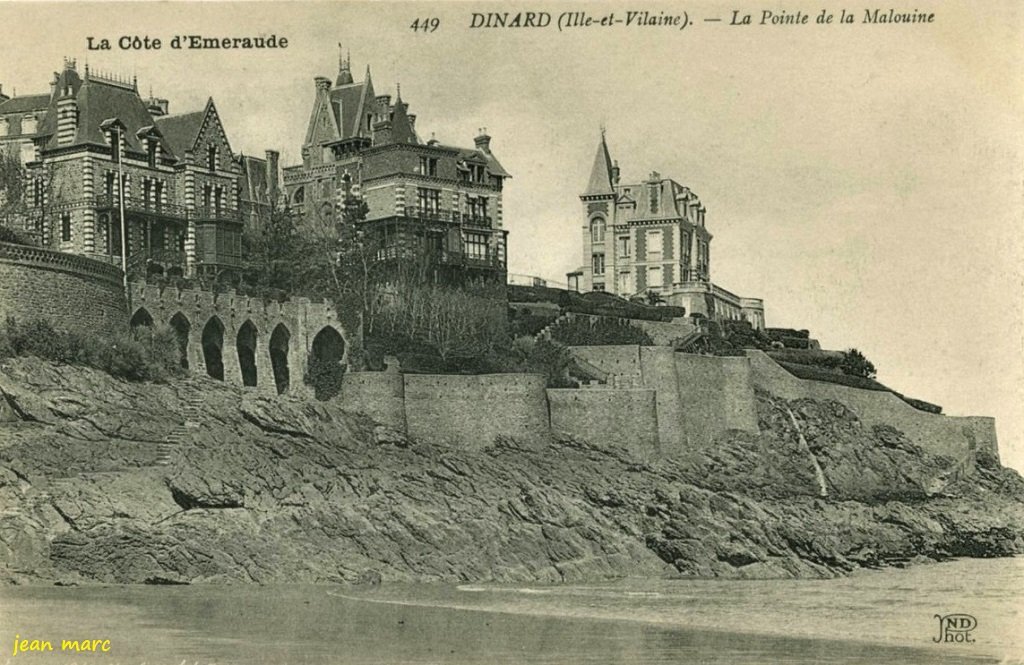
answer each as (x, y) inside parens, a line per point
(481, 333)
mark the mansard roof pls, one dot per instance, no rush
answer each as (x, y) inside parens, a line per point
(600, 183)
(25, 104)
(99, 100)
(667, 201)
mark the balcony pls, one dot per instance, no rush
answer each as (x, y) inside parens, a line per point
(479, 221)
(439, 215)
(215, 214)
(490, 260)
(153, 208)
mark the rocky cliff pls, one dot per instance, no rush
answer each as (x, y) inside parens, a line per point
(196, 481)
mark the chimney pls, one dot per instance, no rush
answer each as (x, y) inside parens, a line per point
(615, 172)
(384, 100)
(157, 107)
(322, 83)
(67, 117)
(382, 132)
(483, 141)
(3, 97)
(273, 177)
(412, 121)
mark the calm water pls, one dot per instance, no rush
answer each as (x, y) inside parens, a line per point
(877, 617)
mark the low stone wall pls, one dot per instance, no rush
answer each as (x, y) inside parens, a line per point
(955, 437)
(470, 411)
(716, 394)
(626, 418)
(380, 395)
(612, 359)
(73, 292)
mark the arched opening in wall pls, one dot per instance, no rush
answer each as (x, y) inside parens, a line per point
(246, 343)
(213, 343)
(154, 269)
(279, 340)
(141, 318)
(324, 370)
(181, 328)
(175, 271)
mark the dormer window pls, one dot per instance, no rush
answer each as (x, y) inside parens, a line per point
(211, 158)
(28, 124)
(3, 127)
(428, 166)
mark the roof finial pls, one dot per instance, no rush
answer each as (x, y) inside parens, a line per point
(398, 93)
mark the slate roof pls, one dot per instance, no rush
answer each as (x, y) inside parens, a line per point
(99, 101)
(600, 183)
(181, 131)
(669, 194)
(350, 104)
(24, 104)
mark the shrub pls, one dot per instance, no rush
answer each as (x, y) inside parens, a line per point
(142, 354)
(583, 331)
(7, 234)
(325, 377)
(855, 364)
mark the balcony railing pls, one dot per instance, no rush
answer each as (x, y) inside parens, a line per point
(439, 215)
(442, 215)
(488, 260)
(214, 214)
(481, 221)
(143, 206)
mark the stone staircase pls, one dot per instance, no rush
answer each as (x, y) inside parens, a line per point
(190, 427)
(545, 332)
(687, 343)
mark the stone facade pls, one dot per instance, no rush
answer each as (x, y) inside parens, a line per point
(72, 292)
(651, 237)
(428, 202)
(97, 148)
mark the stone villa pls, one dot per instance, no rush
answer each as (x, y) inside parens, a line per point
(651, 236)
(426, 199)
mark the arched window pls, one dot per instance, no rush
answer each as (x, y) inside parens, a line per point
(597, 229)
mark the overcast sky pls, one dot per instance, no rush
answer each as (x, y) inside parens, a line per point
(865, 180)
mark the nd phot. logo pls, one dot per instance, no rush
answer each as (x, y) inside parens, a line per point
(955, 628)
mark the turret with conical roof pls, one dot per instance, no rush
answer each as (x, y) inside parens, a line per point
(601, 174)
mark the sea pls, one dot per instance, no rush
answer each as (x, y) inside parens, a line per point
(885, 616)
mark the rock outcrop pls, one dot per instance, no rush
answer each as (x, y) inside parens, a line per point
(105, 481)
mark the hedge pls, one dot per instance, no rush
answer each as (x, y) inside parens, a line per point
(820, 374)
(596, 303)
